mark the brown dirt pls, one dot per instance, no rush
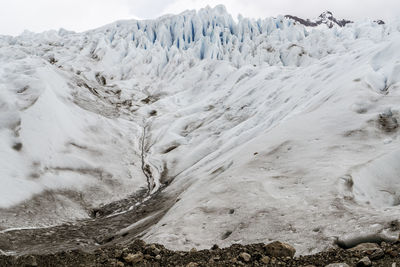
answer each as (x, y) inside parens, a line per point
(138, 253)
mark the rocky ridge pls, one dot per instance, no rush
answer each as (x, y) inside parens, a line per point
(326, 18)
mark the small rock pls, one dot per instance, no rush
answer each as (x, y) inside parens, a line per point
(158, 257)
(140, 243)
(102, 256)
(364, 262)
(226, 235)
(17, 146)
(216, 258)
(31, 261)
(245, 256)
(387, 122)
(265, 259)
(377, 254)
(339, 264)
(111, 262)
(279, 249)
(134, 258)
(365, 247)
(393, 253)
(192, 264)
(193, 250)
(117, 253)
(120, 264)
(152, 250)
(214, 247)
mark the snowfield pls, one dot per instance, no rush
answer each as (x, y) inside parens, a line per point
(261, 129)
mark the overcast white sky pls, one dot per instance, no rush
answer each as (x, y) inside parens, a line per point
(80, 15)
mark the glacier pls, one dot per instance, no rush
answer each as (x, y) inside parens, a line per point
(264, 129)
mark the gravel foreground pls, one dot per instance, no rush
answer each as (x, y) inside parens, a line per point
(139, 253)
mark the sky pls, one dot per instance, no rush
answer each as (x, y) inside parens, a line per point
(80, 15)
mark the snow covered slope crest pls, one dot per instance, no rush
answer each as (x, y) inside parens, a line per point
(262, 129)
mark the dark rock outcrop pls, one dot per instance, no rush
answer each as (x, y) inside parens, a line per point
(325, 18)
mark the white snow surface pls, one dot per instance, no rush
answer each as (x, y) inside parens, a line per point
(265, 128)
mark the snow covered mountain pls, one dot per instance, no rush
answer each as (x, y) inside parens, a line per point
(257, 130)
(326, 18)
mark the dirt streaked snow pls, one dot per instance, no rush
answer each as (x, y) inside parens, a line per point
(263, 129)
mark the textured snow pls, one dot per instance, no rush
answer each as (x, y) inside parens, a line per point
(272, 120)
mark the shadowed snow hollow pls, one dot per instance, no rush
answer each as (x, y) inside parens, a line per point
(261, 129)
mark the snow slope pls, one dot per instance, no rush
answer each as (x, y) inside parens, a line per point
(262, 129)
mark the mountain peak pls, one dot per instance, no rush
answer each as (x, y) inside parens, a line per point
(326, 18)
(326, 14)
